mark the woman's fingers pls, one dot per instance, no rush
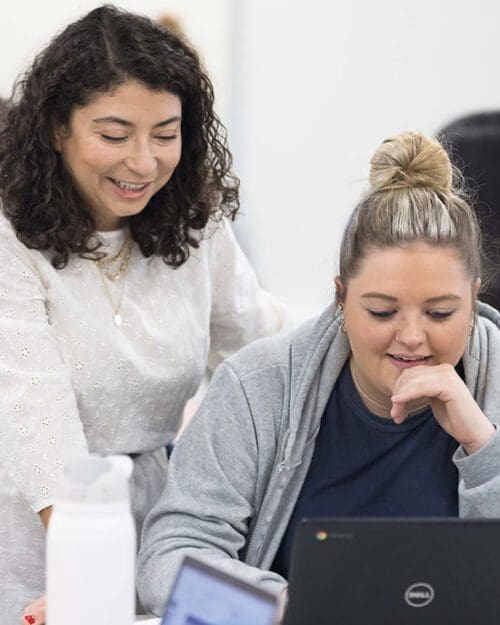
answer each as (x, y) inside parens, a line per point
(34, 613)
(452, 403)
(398, 411)
(429, 382)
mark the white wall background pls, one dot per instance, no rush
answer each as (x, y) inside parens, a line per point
(27, 25)
(308, 91)
(321, 83)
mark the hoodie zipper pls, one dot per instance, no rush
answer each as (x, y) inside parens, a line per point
(262, 514)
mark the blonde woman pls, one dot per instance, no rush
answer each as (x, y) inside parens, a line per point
(387, 405)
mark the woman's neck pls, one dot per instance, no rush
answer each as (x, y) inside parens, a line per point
(379, 404)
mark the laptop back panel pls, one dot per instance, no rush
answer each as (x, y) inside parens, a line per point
(385, 572)
(202, 595)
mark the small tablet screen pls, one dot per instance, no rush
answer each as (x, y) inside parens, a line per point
(204, 596)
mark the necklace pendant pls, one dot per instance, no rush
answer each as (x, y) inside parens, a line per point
(118, 319)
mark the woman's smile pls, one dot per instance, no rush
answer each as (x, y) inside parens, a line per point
(130, 190)
(419, 314)
(133, 131)
(404, 361)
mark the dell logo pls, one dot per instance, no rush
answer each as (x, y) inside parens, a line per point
(419, 595)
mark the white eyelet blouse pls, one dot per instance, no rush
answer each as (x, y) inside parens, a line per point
(73, 382)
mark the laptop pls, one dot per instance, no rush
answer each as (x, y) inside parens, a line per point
(395, 572)
(203, 595)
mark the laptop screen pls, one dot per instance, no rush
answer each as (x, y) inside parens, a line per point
(423, 571)
(203, 595)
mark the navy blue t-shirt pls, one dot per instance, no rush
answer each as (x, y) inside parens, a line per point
(364, 465)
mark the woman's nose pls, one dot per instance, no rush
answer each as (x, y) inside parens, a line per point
(411, 334)
(141, 160)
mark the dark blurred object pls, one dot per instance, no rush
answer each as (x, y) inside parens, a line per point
(474, 146)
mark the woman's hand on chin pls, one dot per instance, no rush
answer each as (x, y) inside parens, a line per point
(451, 401)
(34, 613)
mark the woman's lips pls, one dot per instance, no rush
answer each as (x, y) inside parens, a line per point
(404, 363)
(130, 191)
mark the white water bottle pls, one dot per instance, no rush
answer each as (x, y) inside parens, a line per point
(91, 545)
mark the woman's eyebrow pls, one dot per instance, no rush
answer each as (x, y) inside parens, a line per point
(430, 300)
(440, 298)
(124, 122)
(389, 298)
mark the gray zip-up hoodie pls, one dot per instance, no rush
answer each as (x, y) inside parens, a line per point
(237, 471)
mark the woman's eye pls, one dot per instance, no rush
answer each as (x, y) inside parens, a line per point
(382, 314)
(112, 139)
(166, 138)
(440, 315)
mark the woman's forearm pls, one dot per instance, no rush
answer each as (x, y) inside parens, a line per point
(45, 516)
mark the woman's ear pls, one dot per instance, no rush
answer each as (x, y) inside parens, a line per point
(56, 139)
(59, 132)
(339, 291)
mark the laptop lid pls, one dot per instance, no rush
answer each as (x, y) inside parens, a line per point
(203, 595)
(387, 572)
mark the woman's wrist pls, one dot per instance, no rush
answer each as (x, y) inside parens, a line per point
(484, 434)
(45, 516)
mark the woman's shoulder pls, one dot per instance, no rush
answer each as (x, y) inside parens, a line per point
(217, 235)
(5, 225)
(299, 349)
(262, 356)
(8, 237)
(15, 255)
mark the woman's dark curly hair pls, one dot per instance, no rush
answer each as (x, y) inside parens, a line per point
(95, 54)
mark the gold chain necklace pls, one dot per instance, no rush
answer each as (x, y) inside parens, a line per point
(105, 274)
(125, 251)
(106, 261)
(369, 400)
(117, 316)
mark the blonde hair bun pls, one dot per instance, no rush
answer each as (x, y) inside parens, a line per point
(411, 160)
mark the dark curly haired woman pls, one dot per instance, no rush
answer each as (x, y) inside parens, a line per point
(120, 278)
